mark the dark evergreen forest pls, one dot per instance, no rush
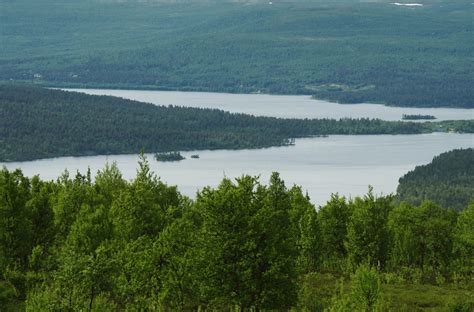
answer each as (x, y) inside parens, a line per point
(40, 123)
(448, 180)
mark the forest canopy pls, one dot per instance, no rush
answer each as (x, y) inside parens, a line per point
(40, 123)
(346, 51)
(108, 244)
(448, 180)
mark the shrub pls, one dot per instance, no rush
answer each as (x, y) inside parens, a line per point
(366, 287)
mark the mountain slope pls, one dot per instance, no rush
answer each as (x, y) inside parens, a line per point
(344, 51)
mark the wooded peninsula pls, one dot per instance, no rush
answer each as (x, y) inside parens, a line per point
(448, 180)
(39, 123)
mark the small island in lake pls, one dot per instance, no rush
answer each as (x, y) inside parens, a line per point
(195, 156)
(170, 156)
(418, 117)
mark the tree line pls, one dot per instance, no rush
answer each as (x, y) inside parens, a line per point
(107, 244)
(41, 123)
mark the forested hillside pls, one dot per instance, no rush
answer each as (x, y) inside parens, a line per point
(40, 123)
(448, 180)
(117, 245)
(347, 51)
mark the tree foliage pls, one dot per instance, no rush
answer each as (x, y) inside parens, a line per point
(106, 244)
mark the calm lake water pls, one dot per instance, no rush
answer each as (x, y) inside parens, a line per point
(284, 106)
(339, 163)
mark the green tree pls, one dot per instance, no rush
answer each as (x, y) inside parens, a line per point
(404, 223)
(365, 284)
(85, 266)
(68, 199)
(333, 219)
(139, 214)
(109, 183)
(225, 242)
(141, 208)
(16, 237)
(247, 242)
(304, 221)
(435, 236)
(179, 271)
(367, 233)
(421, 237)
(275, 267)
(15, 221)
(464, 242)
(137, 285)
(40, 207)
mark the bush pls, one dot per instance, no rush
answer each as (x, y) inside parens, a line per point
(7, 292)
(41, 300)
(461, 306)
(17, 279)
(366, 287)
(314, 291)
(392, 278)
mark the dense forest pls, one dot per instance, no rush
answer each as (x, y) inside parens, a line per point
(347, 51)
(169, 156)
(418, 117)
(448, 180)
(40, 123)
(78, 244)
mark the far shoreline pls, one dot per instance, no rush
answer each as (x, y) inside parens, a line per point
(66, 86)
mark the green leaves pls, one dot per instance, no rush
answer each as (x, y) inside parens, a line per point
(248, 244)
(113, 245)
(333, 219)
(367, 235)
(15, 220)
(421, 236)
(464, 242)
(366, 288)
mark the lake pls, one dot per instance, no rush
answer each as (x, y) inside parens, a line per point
(283, 106)
(339, 163)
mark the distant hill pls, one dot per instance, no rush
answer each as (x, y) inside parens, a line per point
(345, 51)
(40, 123)
(448, 180)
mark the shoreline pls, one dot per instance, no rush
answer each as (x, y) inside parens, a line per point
(65, 86)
